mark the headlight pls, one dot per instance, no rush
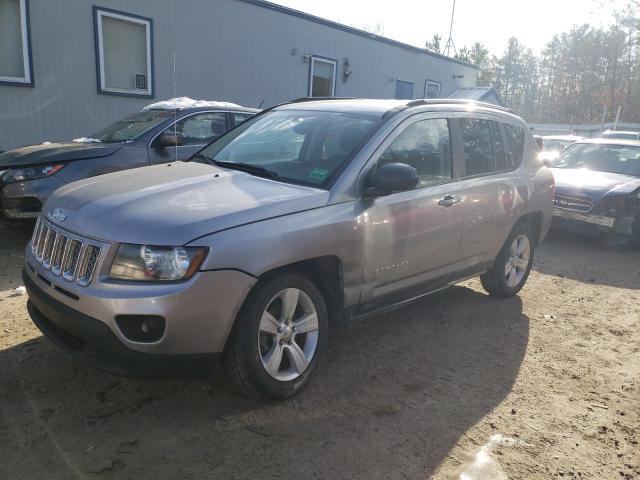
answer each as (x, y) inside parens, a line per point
(30, 173)
(148, 263)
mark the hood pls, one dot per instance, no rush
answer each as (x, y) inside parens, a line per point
(56, 152)
(595, 185)
(175, 203)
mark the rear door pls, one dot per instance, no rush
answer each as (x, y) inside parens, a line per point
(197, 129)
(487, 179)
(412, 238)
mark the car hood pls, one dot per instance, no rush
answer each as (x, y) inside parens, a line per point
(595, 185)
(56, 152)
(175, 203)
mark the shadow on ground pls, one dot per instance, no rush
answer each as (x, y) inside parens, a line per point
(562, 254)
(393, 397)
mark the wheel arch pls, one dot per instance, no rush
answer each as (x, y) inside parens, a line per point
(326, 272)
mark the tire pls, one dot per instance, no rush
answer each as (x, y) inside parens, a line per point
(499, 282)
(271, 353)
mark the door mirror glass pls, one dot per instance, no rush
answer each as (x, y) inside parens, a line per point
(170, 138)
(393, 177)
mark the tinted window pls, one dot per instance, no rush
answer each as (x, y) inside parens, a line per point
(498, 147)
(298, 146)
(238, 118)
(478, 147)
(426, 146)
(515, 144)
(201, 128)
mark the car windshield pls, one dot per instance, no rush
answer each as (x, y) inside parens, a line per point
(130, 127)
(621, 135)
(624, 159)
(303, 147)
(556, 145)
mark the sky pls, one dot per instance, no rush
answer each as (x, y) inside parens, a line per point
(492, 22)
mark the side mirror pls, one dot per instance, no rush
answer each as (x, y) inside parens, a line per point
(393, 177)
(170, 139)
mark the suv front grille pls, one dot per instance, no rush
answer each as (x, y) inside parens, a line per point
(74, 259)
(574, 204)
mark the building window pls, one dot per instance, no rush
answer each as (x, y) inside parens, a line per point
(404, 90)
(431, 89)
(124, 54)
(322, 77)
(15, 47)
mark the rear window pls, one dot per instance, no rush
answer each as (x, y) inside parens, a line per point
(478, 146)
(515, 144)
(498, 147)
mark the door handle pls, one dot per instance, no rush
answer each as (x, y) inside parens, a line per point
(450, 200)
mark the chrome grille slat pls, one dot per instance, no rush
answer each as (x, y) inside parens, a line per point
(56, 255)
(66, 255)
(574, 204)
(48, 248)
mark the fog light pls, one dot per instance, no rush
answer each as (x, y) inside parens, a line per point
(141, 328)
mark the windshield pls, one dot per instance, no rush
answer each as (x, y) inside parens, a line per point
(556, 145)
(130, 127)
(621, 135)
(305, 147)
(622, 159)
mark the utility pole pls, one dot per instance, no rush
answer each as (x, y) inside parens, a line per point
(450, 45)
(604, 118)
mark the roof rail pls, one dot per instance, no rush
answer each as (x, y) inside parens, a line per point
(314, 99)
(456, 101)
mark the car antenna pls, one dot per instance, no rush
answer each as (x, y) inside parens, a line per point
(261, 103)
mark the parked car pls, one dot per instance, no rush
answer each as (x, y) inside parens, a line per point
(598, 188)
(160, 133)
(304, 216)
(553, 145)
(620, 135)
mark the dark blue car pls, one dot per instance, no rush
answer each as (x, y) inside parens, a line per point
(598, 189)
(162, 132)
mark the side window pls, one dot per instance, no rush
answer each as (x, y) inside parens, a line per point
(514, 144)
(498, 147)
(426, 146)
(478, 147)
(238, 118)
(202, 128)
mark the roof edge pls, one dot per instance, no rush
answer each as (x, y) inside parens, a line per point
(356, 31)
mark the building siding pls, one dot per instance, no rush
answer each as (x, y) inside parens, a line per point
(224, 50)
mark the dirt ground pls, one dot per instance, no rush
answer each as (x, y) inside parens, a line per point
(413, 394)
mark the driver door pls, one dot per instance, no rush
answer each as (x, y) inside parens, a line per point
(197, 130)
(412, 238)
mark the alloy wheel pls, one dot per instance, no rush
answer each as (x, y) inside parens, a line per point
(288, 334)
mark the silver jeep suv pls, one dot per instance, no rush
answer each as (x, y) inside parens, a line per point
(306, 216)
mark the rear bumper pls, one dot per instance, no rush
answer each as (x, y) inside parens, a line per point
(94, 343)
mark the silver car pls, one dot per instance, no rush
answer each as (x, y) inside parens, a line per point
(304, 217)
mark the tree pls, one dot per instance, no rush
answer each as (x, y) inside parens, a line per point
(435, 45)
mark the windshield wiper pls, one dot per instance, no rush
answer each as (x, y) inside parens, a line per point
(257, 170)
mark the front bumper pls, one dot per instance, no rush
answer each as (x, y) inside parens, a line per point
(24, 200)
(198, 313)
(94, 343)
(592, 224)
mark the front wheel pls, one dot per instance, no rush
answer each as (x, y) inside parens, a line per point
(278, 338)
(512, 265)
